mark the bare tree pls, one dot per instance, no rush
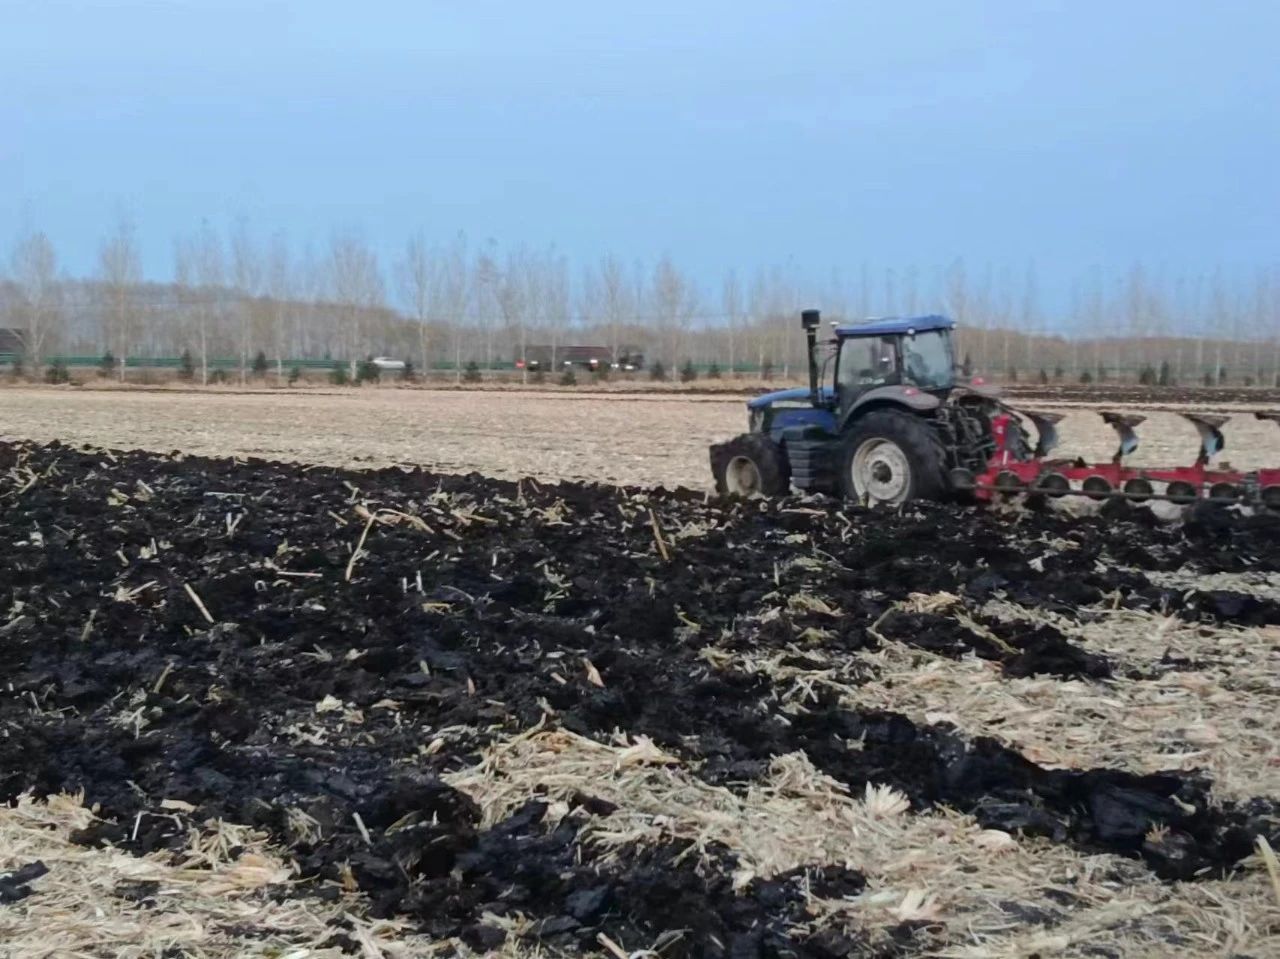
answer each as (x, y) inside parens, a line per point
(731, 302)
(1135, 305)
(1156, 315)
(557, 315)
(310, 280)
(761, 301)
(356, 285)
(185, 283)
(786, 300)
(416, 275)
(209, 270)
(487, 299)
(984, 307)
(1185, 293)
(120, 270)
(590, 308)
(674, 302)
(617, 300)
(280, 299)
(1220, 318)
(246, 272)
(35, 275)
(520, 293)
(1076, 324)
(1029, 322)
(191, 296)
(1002, 316)
(957, 300)
(238, 294)
(455, 291)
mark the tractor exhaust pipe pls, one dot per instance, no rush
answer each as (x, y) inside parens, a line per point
(809, 319)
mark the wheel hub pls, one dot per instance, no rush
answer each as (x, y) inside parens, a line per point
(742, 477)
(880, 472)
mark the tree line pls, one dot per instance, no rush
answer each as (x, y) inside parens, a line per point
(235, 295)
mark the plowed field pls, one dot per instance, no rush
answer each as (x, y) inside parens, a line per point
(287, 709)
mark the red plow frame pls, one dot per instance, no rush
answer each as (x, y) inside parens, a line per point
(1011, 471)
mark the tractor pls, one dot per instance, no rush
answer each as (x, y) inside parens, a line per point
(885, 420)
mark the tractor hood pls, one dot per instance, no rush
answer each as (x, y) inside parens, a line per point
(796, 393)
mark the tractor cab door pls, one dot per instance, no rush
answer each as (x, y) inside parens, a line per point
(864, 363)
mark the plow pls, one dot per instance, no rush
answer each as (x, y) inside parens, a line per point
(1007, 474)
(886, 420)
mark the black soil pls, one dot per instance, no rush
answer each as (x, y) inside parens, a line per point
(478, 623)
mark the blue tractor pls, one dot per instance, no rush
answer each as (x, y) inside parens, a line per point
(883, 420)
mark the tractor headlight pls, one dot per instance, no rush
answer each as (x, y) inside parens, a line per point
(755, 421)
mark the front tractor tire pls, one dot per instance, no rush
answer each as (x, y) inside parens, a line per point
(890, 457)
(750, 465)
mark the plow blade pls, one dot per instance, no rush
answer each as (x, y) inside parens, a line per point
(1008, 474)
(1046, 425)
(1123, 424)
(1209, 426)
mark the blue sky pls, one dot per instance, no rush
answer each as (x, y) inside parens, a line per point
(725, 134)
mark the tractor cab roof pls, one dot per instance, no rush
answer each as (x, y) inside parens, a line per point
(896, 325)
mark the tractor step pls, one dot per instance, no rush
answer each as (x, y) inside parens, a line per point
(812, 454)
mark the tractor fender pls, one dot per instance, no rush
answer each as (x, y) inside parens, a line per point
(987, 391)
(908, 398)
(787, 419)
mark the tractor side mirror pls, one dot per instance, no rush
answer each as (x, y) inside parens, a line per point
(810, 319)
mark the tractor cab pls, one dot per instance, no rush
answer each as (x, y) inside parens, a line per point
(908, 362)
(903, 353)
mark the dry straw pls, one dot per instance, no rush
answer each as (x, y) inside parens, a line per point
(205, 902)
(1222, 716)
(975, 887)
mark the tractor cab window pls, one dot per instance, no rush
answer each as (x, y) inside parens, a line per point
(927, 361)
(867, 362)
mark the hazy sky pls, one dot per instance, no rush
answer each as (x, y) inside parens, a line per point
(736, 133)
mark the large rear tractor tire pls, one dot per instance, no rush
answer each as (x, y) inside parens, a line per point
(890, 457)
(750, 465)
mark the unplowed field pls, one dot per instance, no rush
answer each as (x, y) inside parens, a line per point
(634, 439)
